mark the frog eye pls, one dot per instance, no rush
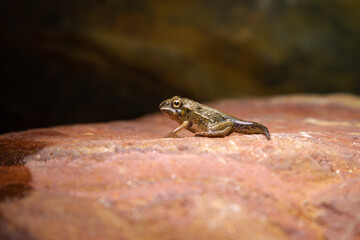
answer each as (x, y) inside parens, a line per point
(176, 103)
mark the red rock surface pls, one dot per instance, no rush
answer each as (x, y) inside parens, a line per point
(122, 180)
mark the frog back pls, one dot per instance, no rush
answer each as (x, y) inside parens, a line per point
(203, 116)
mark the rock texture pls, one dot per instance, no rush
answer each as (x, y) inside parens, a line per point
(122, 180)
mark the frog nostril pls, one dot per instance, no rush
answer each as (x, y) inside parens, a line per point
(162, 104)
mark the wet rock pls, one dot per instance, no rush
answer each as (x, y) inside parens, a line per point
(122, 180)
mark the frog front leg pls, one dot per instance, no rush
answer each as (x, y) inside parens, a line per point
(220, 129)
(171, 134)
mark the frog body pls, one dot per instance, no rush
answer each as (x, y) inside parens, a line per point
(205, 121)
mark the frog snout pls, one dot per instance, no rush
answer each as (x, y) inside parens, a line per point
(162, 104)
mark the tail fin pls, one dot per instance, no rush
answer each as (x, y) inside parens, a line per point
(251, 128)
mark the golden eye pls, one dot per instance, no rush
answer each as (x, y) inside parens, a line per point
(176, 103)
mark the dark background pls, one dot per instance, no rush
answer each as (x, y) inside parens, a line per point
(67, 62)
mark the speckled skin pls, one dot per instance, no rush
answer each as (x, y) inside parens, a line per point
(205, 121)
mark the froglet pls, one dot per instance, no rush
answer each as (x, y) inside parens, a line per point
(205, 121)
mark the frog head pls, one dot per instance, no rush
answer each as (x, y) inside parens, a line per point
(175, 108)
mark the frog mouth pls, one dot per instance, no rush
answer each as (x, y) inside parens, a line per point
(167, 110)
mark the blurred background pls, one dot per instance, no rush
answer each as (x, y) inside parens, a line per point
(83, 61)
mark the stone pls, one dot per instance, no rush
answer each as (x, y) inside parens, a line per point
(123, 180)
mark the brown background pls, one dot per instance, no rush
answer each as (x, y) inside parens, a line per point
(91, 61)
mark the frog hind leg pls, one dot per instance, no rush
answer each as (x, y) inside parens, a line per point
(221, 129)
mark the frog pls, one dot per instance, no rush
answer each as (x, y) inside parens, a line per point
(205, 121)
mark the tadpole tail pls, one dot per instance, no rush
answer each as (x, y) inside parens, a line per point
(251, 128)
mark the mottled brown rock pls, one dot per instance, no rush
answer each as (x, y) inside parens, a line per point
(122, 180)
